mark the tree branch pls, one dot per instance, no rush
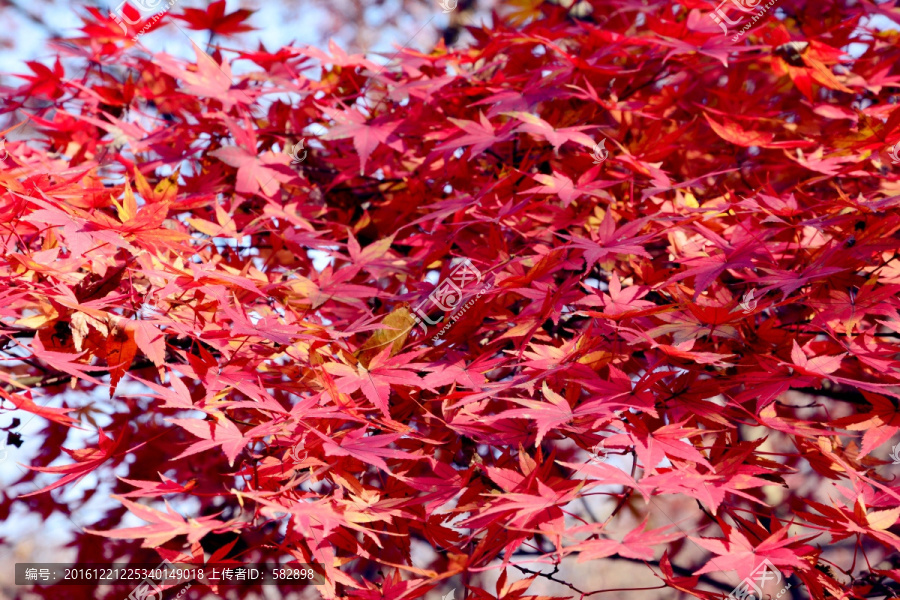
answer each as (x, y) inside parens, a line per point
(51, 379)
(681, 571)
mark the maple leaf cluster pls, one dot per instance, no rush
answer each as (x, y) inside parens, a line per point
(246, 347)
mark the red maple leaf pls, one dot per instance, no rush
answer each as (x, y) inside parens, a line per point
(366, 134)
(216, 20)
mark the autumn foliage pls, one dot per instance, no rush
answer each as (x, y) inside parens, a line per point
(230, 345)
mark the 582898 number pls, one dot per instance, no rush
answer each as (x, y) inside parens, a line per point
(288, 573)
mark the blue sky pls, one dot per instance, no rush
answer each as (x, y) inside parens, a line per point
(273, 30)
